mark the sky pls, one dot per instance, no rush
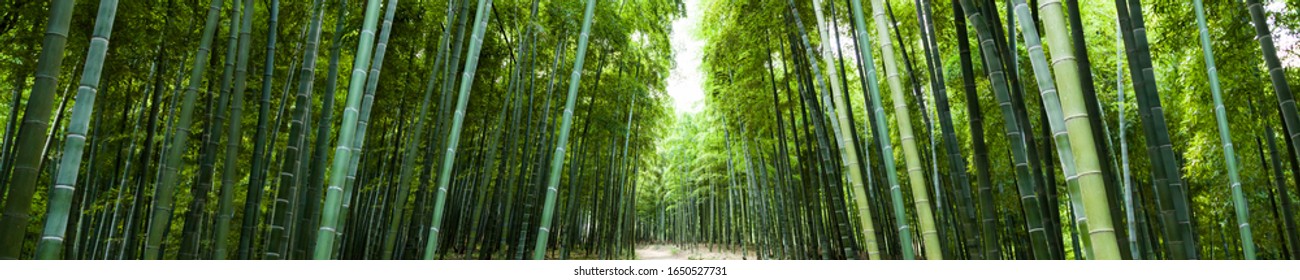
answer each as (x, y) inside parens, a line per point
(1287, 42)
(686, 84)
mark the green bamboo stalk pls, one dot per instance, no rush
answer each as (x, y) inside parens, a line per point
(827, 53)
(253, 197)
(167, 132)
(312, 174)
(304, 197)
(1278, 76)
(22, 181)
(372, 82)
(1011, 61)
(123, 179)
(1280, 86)
(449, 79)
(342, 152)
(956, 163)
(526, 49)
(831, 81)
(402, 192)
(1102, 133)
(291, 161)
(225, 209)
(130, 238)
(1104, 244)
(1087, 186)
(849, 153)
(195, 213)
(880, 125)
(1126, 177)
(56, 221)
(1288, 216)
(1279, 182)
(915, 87)
(839, 215)
(160, 219)
(1024, 178)
(453, 65)
(1054, 117)
(557, 162)
(441, 68)
(1225, 136)
(79, 220)
(127, 155)
(195, 218)
(988, 219)
(916, 177)
(1178, 188)
(785, 158)
(321, 150)
(367, 100)
(106, 225)
(11, 124)
(490, 166)
(1169, 186)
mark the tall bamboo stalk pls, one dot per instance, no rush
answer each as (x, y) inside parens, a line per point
(1126, 177)
(342, 151)
(56, 220)
(988, 219)
(467, 82)
(1024, 178)
(1280, 86)
(880, 127)
(557, 161)
(1168, 178)
(160, 219)
(318, 168)
(1225, 136)
(956, 163)
(913, 159)
(1055, 117)
(849, 153)
(225, 207)
(282, 227)
(36, 116)
(1101, 229)
(253, 197)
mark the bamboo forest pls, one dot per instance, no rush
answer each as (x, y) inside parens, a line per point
(649, 129)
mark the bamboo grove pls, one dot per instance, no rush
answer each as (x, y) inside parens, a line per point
(857, 129)
(233, 129)
(531, 129)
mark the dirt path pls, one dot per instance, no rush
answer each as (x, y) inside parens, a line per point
(672, 252)
(658, 252)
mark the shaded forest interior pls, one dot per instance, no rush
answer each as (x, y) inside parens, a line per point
(545, 129)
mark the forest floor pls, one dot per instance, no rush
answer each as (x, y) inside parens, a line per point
(688, 252)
